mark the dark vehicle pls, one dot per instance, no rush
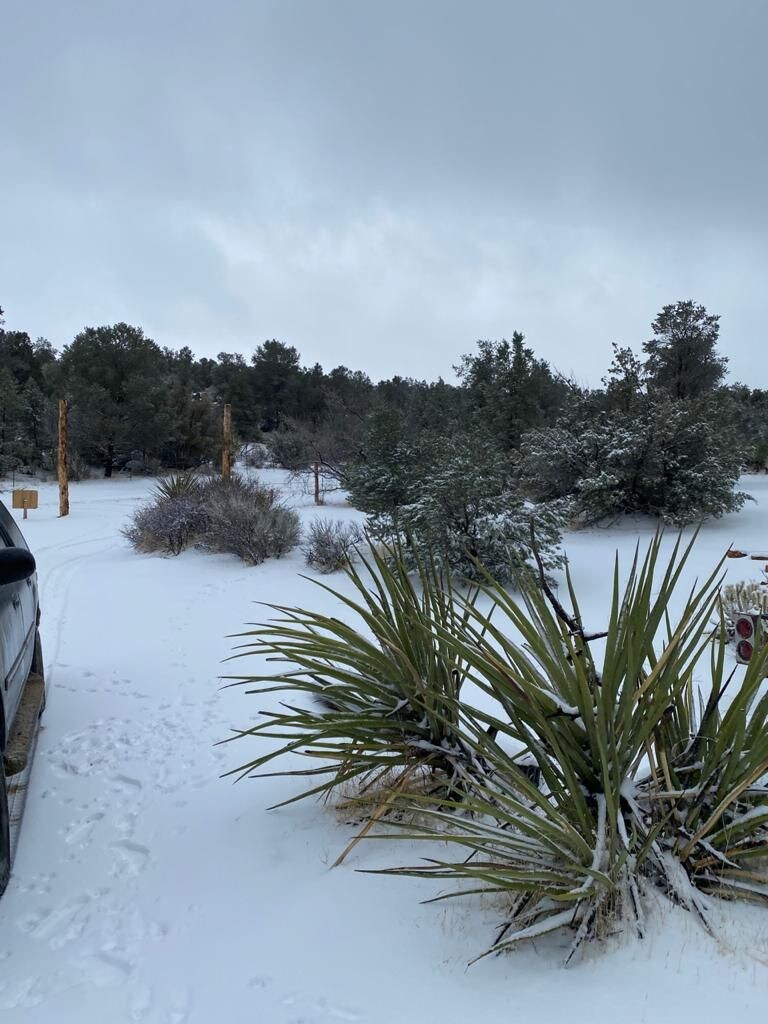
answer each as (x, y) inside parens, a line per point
(22, 686)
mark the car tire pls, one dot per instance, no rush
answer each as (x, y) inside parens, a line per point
(38, 666)
(5, 832)
(37, 661)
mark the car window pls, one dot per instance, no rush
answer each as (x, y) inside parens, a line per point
(10, 535)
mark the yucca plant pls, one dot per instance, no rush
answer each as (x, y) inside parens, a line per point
(183, 483)
(620, 785)
(383, 685)
(709, 780)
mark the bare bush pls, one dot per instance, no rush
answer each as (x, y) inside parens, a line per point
(255, 455)
(237, 516)
(248, 489)
(167, 524)
(78, 469)
(330, 544)
(291, 448)
(247, 519)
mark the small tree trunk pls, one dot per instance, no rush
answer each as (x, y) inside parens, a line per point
(226, 444)
(63, 462)
(109, 460)
(318, 496)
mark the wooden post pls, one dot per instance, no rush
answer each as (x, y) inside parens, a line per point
(318, 499)
(226, 445)
(63, 460)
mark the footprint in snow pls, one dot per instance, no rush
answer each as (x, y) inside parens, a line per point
(127, 784)
(132, 858)
(81, 832)
(140, 1002)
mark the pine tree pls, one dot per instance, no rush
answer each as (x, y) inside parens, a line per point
(10, 414)
(509, 390)
(682, 356)
(385, 477)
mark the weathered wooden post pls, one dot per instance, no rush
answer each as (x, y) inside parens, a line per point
(63, 466)
(226, 444)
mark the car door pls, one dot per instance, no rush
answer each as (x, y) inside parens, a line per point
(16, 637)
(27, 591)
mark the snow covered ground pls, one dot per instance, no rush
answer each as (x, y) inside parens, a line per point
(146, 888)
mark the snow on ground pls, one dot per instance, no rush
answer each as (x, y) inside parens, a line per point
(146, 888)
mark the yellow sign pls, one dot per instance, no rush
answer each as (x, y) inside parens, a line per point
(25, 499)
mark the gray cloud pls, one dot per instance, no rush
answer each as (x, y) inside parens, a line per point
(382, 184)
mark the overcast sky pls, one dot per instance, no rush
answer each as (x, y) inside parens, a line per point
(381, 184)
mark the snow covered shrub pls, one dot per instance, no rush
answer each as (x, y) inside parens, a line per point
(669, 459)
(247, 519)
(255, 455)
(464, 511)
(168, 524)
(757, 460)
(289, 447)
(638, 780)
(329, 544)
(172, 520)
(549, 463)
(384, 686)
(386, 478)
(237, 516)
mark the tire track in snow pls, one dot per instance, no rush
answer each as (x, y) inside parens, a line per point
(58, 580)
(84, 917)
(41, 549)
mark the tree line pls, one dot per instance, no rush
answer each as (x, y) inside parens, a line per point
(136, 404)
(665, 434)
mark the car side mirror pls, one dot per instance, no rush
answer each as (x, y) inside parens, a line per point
(16, 564)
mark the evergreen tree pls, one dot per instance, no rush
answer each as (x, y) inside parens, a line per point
(672, 460)
(384, 478)
(311, 403)
(276, 381)
(625, 382)
(10, 413)
(234, 383)
(113, 379)
(744, 411)
(450, 498)
(36, 418)
(193, 436)
(348, 393)
(23, 358)
(469, 517)
(682, 358)
(510, 391)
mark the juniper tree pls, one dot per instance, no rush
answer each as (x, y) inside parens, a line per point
(682, 358)
(671, 459)
(464, 511)
(509, 389)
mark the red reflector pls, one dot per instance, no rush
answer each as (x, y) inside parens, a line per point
(745, 627)
(744, 650)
